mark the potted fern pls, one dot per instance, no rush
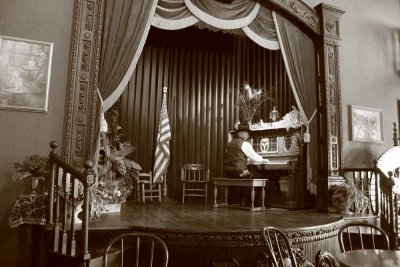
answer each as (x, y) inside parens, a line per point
(347, 195)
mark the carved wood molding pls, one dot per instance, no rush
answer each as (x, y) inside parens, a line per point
(79, 136)
(329, 82)
(242, 239)
(307, 15)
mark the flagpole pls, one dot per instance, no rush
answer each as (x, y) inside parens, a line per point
(165, 189)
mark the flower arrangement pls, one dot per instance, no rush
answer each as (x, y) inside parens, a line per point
(32, 166)
(249, 101)
(116, 173)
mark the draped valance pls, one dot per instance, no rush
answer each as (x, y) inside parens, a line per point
(254, 20)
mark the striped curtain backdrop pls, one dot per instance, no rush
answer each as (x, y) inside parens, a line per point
(202, 71)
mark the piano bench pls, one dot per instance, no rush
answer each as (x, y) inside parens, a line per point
(253, 183)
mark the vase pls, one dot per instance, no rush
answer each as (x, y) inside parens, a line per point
(77, 211)
(35, 184)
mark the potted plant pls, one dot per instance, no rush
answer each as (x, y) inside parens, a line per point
(116, 173)
(347, 195)
(249, 100)
(34, 167)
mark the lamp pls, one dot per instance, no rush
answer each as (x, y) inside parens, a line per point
(274, 114)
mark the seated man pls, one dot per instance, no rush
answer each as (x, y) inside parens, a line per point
(238, 152)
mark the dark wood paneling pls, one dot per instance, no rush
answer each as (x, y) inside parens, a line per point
(202, 71)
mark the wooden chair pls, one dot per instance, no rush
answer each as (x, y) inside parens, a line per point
(354, 236)
(195, 178)
(279, 248)
(136, 249)
(147, 189)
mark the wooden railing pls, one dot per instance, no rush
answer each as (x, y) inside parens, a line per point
(65, 189)
(389, 205)
(366, 180)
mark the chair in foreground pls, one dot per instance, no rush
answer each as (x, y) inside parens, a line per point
(147, 189)
(136, 249)
(353, 236)
(195, 179)
(279, 248)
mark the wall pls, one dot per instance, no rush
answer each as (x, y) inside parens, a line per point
(367, 70)
(367, 79)
(26, 133)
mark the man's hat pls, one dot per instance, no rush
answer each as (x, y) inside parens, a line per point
(243, 128)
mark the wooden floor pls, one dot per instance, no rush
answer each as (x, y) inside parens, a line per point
(204, 218)
(198, 235)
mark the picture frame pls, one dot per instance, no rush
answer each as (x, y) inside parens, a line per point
(366, 124)
(25, 68)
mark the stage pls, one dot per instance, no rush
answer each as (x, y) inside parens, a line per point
(198, 234)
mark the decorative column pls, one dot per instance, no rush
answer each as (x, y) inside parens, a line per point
(330, 133)
(82, 96)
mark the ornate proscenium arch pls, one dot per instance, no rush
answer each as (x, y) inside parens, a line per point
(322, 23)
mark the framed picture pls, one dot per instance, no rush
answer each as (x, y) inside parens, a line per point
(24, 74)
(366, 124)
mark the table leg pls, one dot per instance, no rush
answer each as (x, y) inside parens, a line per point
(215, 196)
(253, 193)
(226, 195)
(263, 197)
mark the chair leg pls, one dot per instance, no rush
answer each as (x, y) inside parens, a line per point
(206, 192)
(183, 193)
(143, 194)
(159, 193)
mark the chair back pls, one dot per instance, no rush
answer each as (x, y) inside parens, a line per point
(279, 248)
(147, 189)
(195, 179)
(193, 172)
(136, 249)
(353, 236)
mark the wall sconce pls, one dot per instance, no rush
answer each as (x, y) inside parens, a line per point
(396, 50)
(274, 114)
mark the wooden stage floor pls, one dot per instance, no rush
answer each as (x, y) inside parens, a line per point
(173, 216)
(197, 231)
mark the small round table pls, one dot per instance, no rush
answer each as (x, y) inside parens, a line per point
(369, 258)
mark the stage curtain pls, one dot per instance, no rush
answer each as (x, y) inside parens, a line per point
(126, 25)
(240, 17)
(201, 78)
(299, 57)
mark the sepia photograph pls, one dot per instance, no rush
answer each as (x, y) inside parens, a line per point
(366, 124)
(24, 74)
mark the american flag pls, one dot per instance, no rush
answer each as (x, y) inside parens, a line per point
(162, 147)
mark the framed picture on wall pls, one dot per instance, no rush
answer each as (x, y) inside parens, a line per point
(366, 124)
(24, 74)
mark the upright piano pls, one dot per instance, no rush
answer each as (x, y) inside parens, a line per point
(281, 144)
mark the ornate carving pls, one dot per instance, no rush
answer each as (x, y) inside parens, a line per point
(85, 55)
(331, 41)
(311, 19)
(71, 80)
(334, 157)
(243, 239)
(83, 87)
(89, 15)
(333, 124)
(85, 48)
(330, 26)
(79, 143)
